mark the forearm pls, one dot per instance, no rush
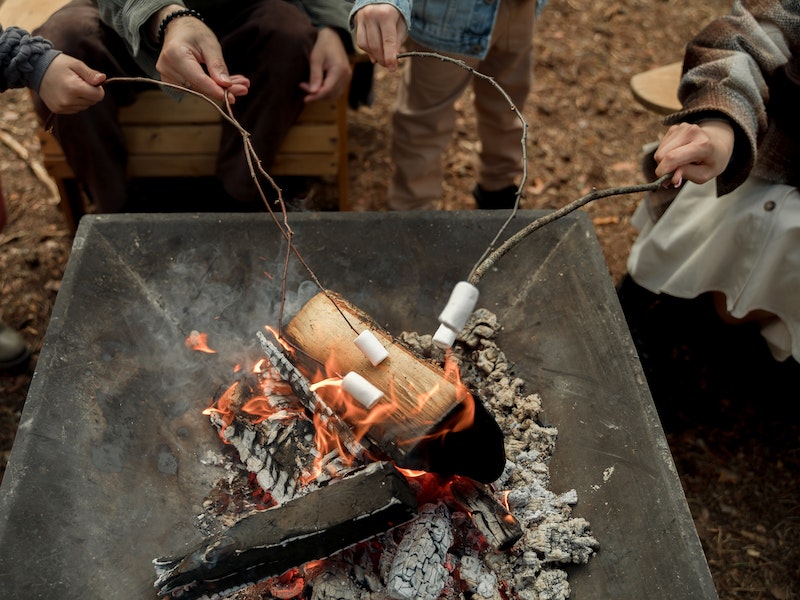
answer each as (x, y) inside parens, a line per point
(333, 14)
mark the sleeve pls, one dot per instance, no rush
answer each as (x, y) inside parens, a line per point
(129, 18)
(23, 59)
(331, 13)
(403, 6)
(727, 71)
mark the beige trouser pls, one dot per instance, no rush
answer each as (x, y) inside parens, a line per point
(424, 118)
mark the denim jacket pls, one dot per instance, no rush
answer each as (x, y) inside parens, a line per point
(454, 26)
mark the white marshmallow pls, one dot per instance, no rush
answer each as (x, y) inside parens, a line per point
(444, 337)
(362, 390)
(371, 347)
(460, 306)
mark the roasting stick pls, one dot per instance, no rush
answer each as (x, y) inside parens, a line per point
(480, 269)
(253, 161)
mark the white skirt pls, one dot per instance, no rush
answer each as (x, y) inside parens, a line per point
(745, 244)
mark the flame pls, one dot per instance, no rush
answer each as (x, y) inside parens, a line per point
(259, 404)
(222, 407)
(327, 383)
(198, 341)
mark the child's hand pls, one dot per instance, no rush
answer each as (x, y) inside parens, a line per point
(697, 152)
(70, 85)
(380, 32)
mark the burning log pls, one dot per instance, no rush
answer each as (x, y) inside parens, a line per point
(491, 518)
(426, 418)
(310, 399)
(273, 452)
(267, 543)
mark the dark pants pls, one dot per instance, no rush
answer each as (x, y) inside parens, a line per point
(268, 41)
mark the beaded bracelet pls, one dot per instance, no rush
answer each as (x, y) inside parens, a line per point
(162, 28)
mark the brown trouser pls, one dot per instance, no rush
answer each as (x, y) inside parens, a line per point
(424, 119)
(268, 41)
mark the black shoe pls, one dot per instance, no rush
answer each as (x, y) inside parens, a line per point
(499, 199)
(13, 351)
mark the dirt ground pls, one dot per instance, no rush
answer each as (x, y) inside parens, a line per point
(724, 403)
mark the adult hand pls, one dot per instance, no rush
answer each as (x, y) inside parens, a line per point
(380, 32)
(697, 152)
(69, 86)
(189, 45)
(330, 70)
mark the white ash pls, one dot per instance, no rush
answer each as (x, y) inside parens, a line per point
(551, 536)
(418, 571)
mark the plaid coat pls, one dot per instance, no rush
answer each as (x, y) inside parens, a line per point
(745, 67)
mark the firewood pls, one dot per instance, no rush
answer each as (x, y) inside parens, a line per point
(314, 526)
(310, 399)
(421, 406)
(279, 454)
(491, 518)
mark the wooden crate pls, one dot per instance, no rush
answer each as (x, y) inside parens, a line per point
(166, 138)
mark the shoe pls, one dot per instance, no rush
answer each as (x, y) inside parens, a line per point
(499, 199)
(13, 350)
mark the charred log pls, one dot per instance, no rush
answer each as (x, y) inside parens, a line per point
(278, 453)
(491, 518)
(418, 570)
(310, 399)
(267, 543)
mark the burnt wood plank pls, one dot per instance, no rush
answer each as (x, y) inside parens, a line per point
(310, 527)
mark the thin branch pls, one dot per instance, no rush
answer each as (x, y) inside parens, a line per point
(255, 166)
(515, 239)
(523, 140)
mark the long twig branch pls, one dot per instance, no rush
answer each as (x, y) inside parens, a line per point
(255, 166)
(523, 137)
(481, 269)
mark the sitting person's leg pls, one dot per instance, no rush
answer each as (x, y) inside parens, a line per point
(92, 140)
(270, 44)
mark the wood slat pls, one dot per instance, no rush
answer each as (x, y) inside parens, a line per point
(156, 106)
(310, 138)
(27, 14)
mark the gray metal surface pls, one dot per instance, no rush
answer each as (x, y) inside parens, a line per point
(110, 463)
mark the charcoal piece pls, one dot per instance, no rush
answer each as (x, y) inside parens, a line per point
(488, 514)
(267, 543)
(418, 571)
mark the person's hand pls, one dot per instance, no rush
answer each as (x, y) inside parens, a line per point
(330, 70)
(697, 152)
(189, 45)
(380, 32)
(69, 86)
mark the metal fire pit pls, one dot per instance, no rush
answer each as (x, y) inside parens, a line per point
(112, 457)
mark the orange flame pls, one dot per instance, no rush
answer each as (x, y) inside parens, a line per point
(198, 341)
(222, 407)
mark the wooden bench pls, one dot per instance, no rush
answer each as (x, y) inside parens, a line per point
(657, 89)
(170, 139)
